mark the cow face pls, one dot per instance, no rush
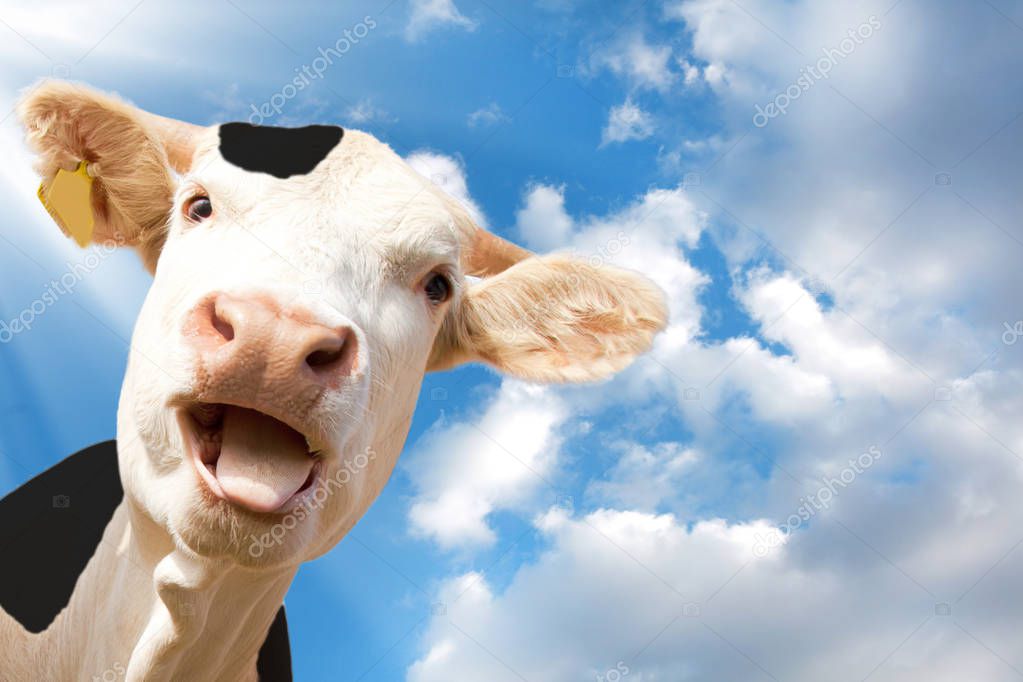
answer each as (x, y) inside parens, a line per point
(304, 281)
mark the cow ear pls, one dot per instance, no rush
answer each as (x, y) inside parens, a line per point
(553, 319)
(129, 154)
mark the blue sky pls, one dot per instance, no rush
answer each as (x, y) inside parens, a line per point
(843, 275)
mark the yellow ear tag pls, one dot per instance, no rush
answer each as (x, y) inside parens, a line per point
(69, 202)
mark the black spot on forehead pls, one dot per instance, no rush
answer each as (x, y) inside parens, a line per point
(281, 152)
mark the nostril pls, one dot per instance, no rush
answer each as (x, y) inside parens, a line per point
(214, 323)
(219, 322)
(333, 355)
(322, 358)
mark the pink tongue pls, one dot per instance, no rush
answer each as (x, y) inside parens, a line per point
(262, 461)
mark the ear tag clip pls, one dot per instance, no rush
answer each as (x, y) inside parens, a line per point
(69, 203)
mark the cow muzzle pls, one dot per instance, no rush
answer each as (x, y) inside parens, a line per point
(266, 377)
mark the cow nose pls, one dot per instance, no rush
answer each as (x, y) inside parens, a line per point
(253, 339)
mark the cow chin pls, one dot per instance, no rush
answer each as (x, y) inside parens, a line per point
(197, 521)
(219, 530)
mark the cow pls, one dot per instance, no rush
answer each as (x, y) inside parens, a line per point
(304, 280)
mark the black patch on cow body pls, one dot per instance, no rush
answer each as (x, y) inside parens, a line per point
(50, 528)
(281, 152)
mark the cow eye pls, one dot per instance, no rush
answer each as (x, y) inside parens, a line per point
(198, 208)
(437, 288)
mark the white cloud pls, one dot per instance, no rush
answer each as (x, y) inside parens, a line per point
(487, 116)
(644, 478)
(429, 15)
(855, 215)
(543, 222)
(464, 471)
(448, 173)
(715, 74)
(364, 111)
(627, 122)
(720, 29)
(690, 72)
(66, 31)
(616, 573)
(643, 65)
(667, 601)
(826, 342)
(777, 389)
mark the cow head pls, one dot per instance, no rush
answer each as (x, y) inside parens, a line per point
(304, 281)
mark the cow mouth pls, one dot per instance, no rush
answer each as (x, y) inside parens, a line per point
(247, 457)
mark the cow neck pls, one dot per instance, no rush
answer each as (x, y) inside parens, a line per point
(144, 609)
